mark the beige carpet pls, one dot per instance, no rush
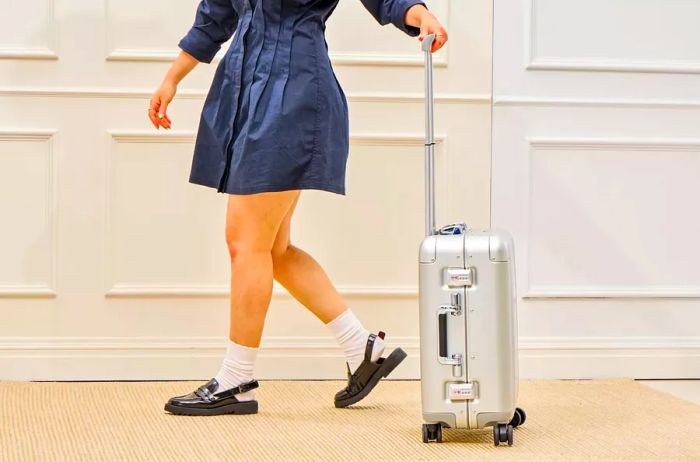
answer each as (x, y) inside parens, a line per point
(567, 420)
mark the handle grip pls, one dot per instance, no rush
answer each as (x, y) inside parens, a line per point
(427, 42)
(442, 334)
(453, 309)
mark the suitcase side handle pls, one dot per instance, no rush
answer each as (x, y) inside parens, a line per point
(442, 334)
(426, 46)
(453, 309)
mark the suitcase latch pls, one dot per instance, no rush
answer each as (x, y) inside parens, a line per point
(459, 277)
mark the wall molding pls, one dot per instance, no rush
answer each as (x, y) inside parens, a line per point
(389, 60)
(116, 289)
(49, 51)
(614, 292)
(337, 59)
(47, 290)
(612, 65)
(625, 291)
(176, 358)
(138, 136)
(510, 100)
(27, 53)
(609, 357)
(143, 136)
(202, 290)
(27, 291)
(309, 357)
(533, 62)
(188, 136)
(142, 93)
(616, 144)
(364, 97)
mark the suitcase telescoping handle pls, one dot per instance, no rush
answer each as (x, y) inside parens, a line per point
(426, 46)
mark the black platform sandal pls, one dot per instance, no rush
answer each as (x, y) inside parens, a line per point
(206, 401)
(368, 373)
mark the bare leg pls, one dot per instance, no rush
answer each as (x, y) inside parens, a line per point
(252, 222)
(302, 276)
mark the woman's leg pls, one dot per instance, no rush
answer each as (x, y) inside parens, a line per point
(252, 223)
(302, 276)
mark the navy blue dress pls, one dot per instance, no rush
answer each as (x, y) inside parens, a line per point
(275, 117)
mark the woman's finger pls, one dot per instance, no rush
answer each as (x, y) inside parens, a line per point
(439, 42)
(423, 33)
(162, 113)
(440, 38)
(152, 111)
(166, 122)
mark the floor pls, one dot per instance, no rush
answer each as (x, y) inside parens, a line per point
(125, 421)
(688, 390)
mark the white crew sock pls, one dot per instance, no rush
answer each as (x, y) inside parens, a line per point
(352, 337)
(237, 368)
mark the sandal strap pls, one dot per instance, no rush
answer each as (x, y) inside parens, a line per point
(369, 346)
(242, 388)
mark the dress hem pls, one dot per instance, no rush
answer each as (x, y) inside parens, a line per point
(277, 188)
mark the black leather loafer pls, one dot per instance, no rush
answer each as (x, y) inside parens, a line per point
(368, 374)
(206, 401)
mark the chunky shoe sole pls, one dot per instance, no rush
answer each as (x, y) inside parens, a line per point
(243, 407)
(388, 365)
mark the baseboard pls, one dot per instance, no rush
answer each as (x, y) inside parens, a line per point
(610, 357)
(297, 358)
(177, 358)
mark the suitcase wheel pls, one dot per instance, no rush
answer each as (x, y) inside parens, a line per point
(432, 432)
(518, 418)
(503, 433)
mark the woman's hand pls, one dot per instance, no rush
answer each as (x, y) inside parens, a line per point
(157, 110)
(419, 15)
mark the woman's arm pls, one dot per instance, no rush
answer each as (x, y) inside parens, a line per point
(157, 109)
(214, 23)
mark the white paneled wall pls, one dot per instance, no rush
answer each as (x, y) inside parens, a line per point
(114, 266)
(596, 149)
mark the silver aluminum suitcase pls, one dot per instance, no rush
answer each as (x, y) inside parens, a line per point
(468, 326)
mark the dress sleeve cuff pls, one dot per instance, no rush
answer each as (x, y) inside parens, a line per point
(400, 15)
(199, 45)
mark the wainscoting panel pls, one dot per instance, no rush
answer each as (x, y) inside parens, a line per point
(595, 145)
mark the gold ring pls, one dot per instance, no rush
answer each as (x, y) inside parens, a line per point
(160, 115)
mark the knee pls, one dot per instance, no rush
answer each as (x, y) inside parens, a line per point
(238, 248)
(234, 248)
